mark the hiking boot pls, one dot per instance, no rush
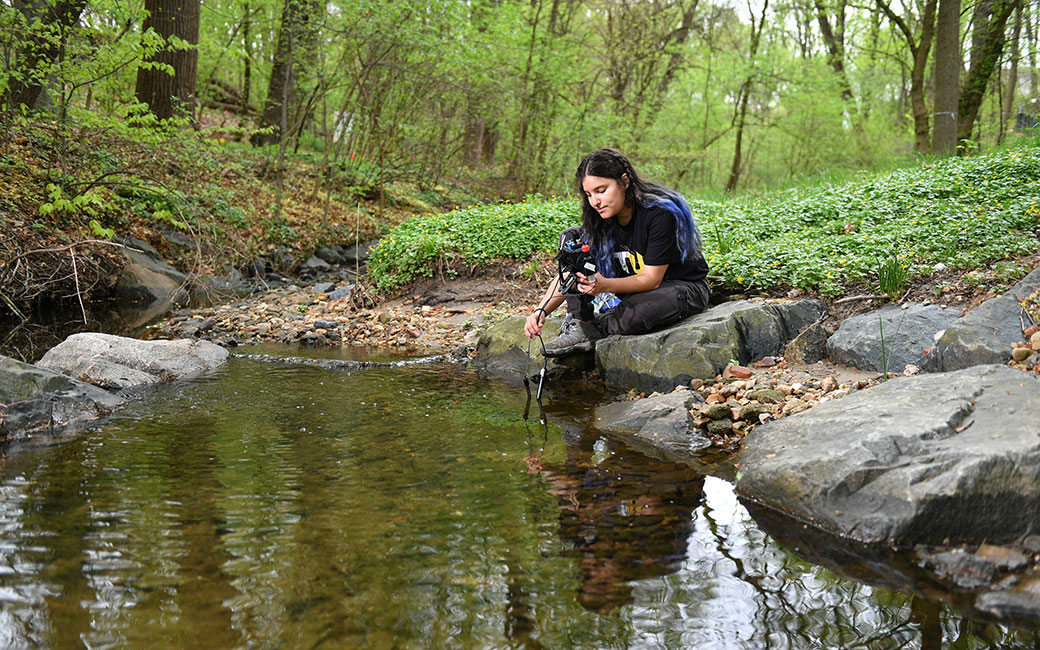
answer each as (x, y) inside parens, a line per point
(576, 336)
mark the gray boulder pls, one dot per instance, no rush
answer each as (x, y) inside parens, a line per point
(936, 459)
(985, 334)
(901, 334)
(503, 348)
(342, 292)
(315, 263)
(661, 420)
(146, 278)
(37, 401)
(699, 347)
(331, 254)
(116, 362)
(358, 254)
(703, 345)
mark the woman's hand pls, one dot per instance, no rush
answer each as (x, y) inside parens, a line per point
(589, 284)
(534, 322)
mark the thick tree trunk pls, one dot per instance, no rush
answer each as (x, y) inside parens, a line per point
(740, 118)
(171, 96)
(41, 50)
(917, 94)
(947, 76)
(989, 37)
(295, 48)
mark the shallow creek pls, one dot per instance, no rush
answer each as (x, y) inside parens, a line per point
(289, 506)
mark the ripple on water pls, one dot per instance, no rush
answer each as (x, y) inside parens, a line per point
(273, 504)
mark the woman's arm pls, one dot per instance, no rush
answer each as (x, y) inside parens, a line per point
(648, 280)
(550, 301)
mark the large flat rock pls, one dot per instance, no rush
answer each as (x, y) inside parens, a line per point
(698, 347)
(117, 362)
(703, 345)
(940, 458)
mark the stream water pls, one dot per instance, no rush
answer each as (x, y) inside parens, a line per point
(289, 506)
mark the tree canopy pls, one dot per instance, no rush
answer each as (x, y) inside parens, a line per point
(702, 93)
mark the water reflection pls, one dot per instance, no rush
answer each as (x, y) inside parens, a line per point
(275, 506)
(622, 518)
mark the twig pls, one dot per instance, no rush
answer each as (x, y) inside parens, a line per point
(16, 311)
(75, 275)
(853, 298)
(62, 249)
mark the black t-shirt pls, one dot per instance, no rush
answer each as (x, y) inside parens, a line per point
(649, 239)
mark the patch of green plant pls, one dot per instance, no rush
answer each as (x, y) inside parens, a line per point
(474, 235)
(1008, 272)
(964, 212)
(66, 208)
(279, 231)
(892, 276)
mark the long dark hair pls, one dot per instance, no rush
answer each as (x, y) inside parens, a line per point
(602, 233)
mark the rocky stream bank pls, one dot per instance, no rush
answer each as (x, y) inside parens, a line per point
(941, 455)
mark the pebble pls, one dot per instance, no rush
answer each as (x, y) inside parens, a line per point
(741, 372)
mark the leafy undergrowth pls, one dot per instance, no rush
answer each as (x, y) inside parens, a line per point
(961, 212)
(885, 231)
(206, 204)
(473, 236)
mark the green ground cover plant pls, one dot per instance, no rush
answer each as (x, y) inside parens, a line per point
(963, 212)
(475, 235)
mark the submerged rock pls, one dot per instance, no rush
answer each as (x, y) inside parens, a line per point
(117, 362)
(941, 458)
(661, 420)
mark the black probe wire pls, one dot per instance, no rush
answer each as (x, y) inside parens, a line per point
(545, 361)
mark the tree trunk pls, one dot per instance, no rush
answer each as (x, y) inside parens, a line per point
(168, 95)
(41, 50)
(296, 39)
(1031, 42)
(917, 94)
(989, 37)
(247, 73)
(835, 44)
(1012, 81)
(947, 76)
(919, 49)
(745, 96)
